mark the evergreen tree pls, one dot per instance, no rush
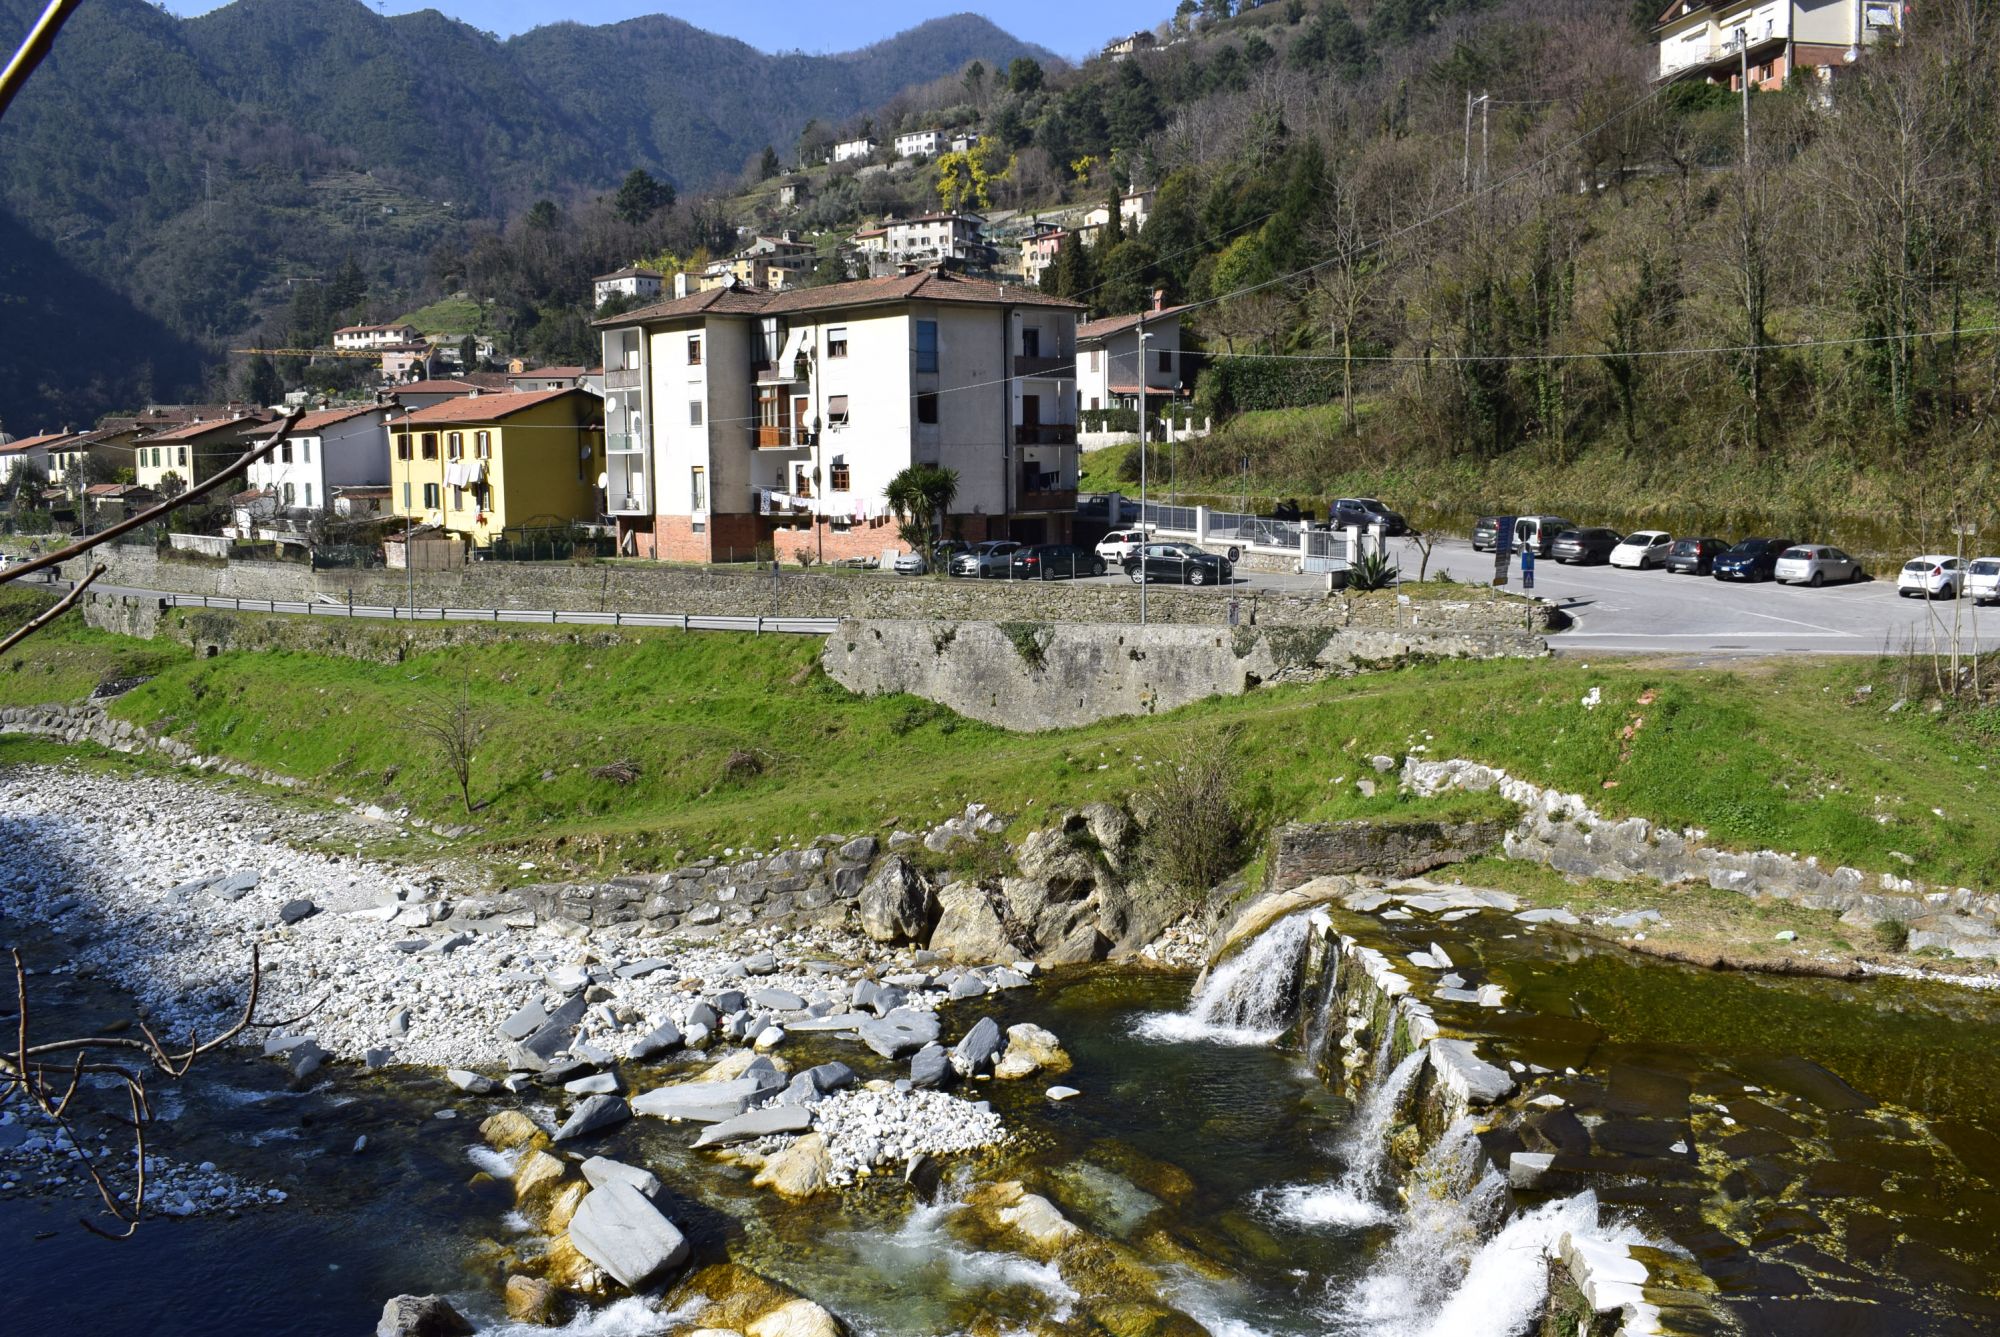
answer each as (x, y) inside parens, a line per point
(1125, 274)
(348, 289)
(1069, 274)
(640, 197)
(1114, 227)
(468, 353)
(260, 382)
(1174, 231)
(1025, 76)
(769, 166)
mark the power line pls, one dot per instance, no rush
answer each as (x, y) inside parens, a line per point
(1608, 355)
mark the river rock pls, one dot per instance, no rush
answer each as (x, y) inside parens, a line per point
(1527, 1169)
(593, 1115)
(978, 1049)
(617, 1229)
(709, 1102)
(903, 1031)
(759, 963)
(531, 1300)
(508, 1129)
(597, 1084)
(703, 1014)
(896, 905)
(663, 1039)
(799, 1171)
(756, 1123)
(931, 1068)
(291, 912)
(554, 1035)
(1030, 1049)
(1472, 1078)
(472, 1083)
(969, 927)
(601, 1170)
(778, 1000)
(536, 1179)
(795, 1318)
(234, 888)
(421, 1316)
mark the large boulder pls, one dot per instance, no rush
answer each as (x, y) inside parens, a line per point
(896, 904)
(903, 1031)
(978, 1049)
(617, 1229)
(531, 1300)
(1060, 860)
(536, 1180)
(421, 1316)
(509, 1129)
(795, 1318)
(799, 1171)
(594, 1114)
(1030, 1050)
(969, 927)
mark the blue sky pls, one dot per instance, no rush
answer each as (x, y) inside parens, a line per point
(1064, 26)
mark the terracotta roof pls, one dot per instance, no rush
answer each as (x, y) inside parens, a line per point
(248, 422)
(252, 494)
(486, 407)
(30, 442)
(442, 386)
(116, 489)
(571, 373)
(629, 272)
(924, 286)
(1098, 329)
(325, 418)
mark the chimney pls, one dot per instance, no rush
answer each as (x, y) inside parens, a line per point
(1159, 299)
(680, 285)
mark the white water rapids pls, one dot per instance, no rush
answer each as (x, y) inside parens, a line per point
(1248, 999)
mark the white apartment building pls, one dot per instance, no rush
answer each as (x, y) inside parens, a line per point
(1110, 372)
(1775, 37)
(926, 240)
(1135, 208)
(920, 144)
(333, 448)
(742, 422)
(965, 141)
(28, 452)
(630, 281)
(368, 337)
(854, 150)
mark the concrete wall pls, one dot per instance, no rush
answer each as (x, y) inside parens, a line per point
(1030, 676)
(794, 593)
(1302, 851)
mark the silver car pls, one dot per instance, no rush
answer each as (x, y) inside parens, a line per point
(1815, 564)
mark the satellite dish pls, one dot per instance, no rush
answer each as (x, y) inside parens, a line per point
(604, 480)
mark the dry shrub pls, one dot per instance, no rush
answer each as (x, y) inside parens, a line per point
(1195, 827)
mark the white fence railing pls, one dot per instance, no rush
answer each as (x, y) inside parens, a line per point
(797, 626)
(1312, 550)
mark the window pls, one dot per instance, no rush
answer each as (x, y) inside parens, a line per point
(288, 494)
(454, 444)
(1031, 342)
(698, 490)
(306, 452)
(403, 452)
(694, 413)
(842, 478)
(1166, 360)
(927, 345)
(431, 491)
(309, 494)
(285, 452)
(927, 407)
(1095, 363)
(482, 445)
(457, 498)
(836, 341)
(836, 410)
(430, 445)
(694, 350)
(184, 456)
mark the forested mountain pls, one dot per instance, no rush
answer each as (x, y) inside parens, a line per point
(203, 166)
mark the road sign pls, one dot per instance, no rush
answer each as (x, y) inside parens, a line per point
(1503, 548)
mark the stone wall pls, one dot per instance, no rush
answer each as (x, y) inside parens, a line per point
(1038, 675)
(749, 592)
(1564, 832)
(1302, 851)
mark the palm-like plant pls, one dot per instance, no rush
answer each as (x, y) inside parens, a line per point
(920, 495)
(1372, 571)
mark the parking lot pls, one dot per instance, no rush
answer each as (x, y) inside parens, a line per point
(1622, 612)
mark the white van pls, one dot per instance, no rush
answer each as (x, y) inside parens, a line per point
(1119, 544)
(1538, 532)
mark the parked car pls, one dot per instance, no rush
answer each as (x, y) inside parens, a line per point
(909, 564)
(1120, 544)
(1815, 564)
(984, 559)
(1643, 550)
(1752, 559)
(1365, 512)
(1580, 547)
(1982, 580)
(1695, 557)
(1540, 533)
(1055, 561)
(1485, 533)
(1933, 576)
(1178, 562)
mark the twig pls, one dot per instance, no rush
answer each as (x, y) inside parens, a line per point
(33, 48)
(147, 516)
(47, 616)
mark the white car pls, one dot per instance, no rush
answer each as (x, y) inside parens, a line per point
(1643, 550)
(1982, 580)
(909, 564)
(1119, 544)
(1933, 576)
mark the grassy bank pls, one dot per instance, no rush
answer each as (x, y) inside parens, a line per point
(739, 741)
(1880, 507)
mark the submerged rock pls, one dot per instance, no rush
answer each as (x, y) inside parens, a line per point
(795, 1318)
(799, 1171)
(531, 1300)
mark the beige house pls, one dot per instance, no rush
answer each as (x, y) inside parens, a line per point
(1772, 37)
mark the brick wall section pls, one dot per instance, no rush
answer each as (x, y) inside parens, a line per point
(643, 588)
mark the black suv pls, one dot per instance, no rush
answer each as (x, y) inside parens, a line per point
(1365, 512)
(1752, 559)
(1182, 563)
(1055, 561)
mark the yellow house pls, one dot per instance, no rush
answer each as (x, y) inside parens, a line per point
(483, 463)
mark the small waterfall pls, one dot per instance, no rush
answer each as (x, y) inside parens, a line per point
(1248, 999)
(1355, 1198)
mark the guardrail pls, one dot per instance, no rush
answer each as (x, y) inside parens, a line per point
(793, 626)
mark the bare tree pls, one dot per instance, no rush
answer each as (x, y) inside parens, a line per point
(455, 725)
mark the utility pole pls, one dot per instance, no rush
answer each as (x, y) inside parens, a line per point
(1743, 50)
(1485, 152)
(1143, 533)
(1465, 156)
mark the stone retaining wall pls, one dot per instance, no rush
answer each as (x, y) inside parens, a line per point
(749, 592)
(1564, 832)
(91, 724)
(1036, 675)
(1302, 851)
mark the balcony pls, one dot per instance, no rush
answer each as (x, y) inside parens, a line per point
(624, 443)
(621, 378)
(783, 438)
(1045, 434)
(1044, 366)
(626, 487)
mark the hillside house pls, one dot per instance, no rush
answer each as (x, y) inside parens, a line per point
(330, 449)
(29, 452)
(368, 338)
(1774, 37)
(169, 462)
(477, 465)
(920, 144)
(1110, 372)
(1130, 44)
(736, 419)
(855, 150)
(631, 281)
(1135, 209)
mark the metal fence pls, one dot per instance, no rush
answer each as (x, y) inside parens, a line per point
(801, 626)
(1174, 519)
(1326, 550)
(1254, 530)
(346, 557)
(553, 544)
